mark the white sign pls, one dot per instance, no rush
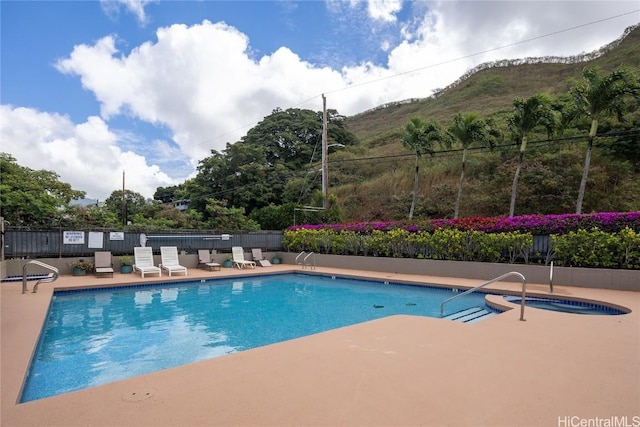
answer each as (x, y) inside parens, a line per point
(95, 239)
(73, 237)
(116, 235)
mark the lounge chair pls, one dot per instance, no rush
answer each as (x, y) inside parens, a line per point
(259, 258)
(143, 261)
(170, 261)
(103, 264)
(204, 260)
(238, 258)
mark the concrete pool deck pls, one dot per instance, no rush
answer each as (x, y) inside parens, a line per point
(554, 369)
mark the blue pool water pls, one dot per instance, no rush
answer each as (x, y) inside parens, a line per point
(565, 306)
(96, 336)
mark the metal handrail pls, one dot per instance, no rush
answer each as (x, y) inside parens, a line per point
(551, 277)
(51, 278)
(303, 263)
(512, 273)
(314, 260)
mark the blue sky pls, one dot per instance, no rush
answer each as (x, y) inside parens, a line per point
(91, 88)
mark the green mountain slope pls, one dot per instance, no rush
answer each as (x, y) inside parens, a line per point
(373, 180)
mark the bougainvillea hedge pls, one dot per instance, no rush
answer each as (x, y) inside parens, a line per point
(605, 240)
(534, 224)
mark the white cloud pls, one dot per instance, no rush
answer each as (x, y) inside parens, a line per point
(205, 85)
(136, 7)
(384, 10)
(200, 81)
(85, 155)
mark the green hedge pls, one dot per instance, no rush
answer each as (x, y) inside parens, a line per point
(597, 248)
(594, 248)
(446, 244)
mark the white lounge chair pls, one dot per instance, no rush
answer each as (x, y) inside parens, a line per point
(103, 264)
(259, 258)
(204, 260)
(170, 261)
(238, 258)
(143, 261)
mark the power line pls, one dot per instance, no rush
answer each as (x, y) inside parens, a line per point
(431, 66)
(452, 151)
(438, 154)
(483, 52)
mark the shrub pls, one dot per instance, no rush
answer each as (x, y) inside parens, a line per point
(534, 224)
(82, 264)
(597, 248)
(630, 248)
(605, 240)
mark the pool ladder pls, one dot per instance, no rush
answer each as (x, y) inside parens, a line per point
(504, 276)
(304, 261)
(51, 277)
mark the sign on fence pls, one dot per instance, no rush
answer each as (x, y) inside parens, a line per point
(116, 235)
(73, 238)
(95, 240)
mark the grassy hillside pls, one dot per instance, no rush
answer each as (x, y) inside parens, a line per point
(373, 180)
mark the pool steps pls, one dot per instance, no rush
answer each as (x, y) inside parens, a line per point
(504, 276)
(30, 277)
(471, 315)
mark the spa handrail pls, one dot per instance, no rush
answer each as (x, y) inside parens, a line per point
(504, 276)
(51, 278)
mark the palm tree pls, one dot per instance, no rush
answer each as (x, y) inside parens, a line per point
(528, 115)
(420, 137)
(470, 130)
(597, 96)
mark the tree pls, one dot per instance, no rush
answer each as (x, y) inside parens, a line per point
(597, 96)
(207, 183)
(528, 115)
(163, 217)
(89, 217)
(421, 137)
(625, 148)
(468, 129)
(133, 203)
(30, 197)
(274, 217)
(259, 169)
(333, 214)
(224, 218)
(170, 194)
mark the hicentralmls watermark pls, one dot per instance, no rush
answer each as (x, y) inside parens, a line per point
(613, 421)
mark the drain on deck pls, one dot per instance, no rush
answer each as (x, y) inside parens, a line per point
(139, 395)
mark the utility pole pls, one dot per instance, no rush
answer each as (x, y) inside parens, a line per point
(124, 205)
(325, 163)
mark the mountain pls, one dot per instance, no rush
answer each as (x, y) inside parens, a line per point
(373, 180)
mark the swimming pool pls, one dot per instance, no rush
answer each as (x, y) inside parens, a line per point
(96, 336)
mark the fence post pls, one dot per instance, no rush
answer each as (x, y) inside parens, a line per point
(2, 238)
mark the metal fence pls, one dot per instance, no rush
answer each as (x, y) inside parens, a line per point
(70, 243)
